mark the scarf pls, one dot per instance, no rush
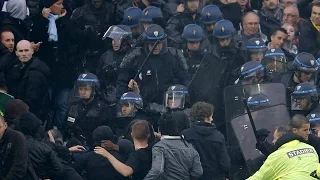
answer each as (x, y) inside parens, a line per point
(274, 15)
(52, 29)
(316, 26)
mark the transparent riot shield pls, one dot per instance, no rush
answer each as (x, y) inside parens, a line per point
(269, 118)
(205, 81)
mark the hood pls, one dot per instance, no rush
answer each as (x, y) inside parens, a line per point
(287, 138)
(13, 110)
(102, 133)
(17, 9)
(29, 124)
(37, 65)
(203, 128)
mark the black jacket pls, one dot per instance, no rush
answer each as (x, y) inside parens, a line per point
(14, 156)
(175, 28)
(30, 83)
(83, 119)
(231, 12)
(59, 56)
(211, 146)
(309, 38)
(98, 167)
(157, 75)
(19, 27)
(7, 59)
(270, 21)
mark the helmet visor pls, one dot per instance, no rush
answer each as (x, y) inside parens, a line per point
(300, 102)
(256, 54)
(116, 33)
(274, 67)
(126, 109)
(84, 90)
(175, 100)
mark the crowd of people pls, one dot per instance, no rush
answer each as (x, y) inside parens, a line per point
(159, 89)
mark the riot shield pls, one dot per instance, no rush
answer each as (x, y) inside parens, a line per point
(4, 98)
(204, 83)
(268, 118)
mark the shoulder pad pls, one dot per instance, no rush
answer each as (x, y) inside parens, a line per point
(130, 56)
(179, 55)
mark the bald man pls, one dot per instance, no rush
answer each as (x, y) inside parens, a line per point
(291, 16)
(28, 80)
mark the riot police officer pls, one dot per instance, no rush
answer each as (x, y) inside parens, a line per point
(90, 22)
(314, 119)
(304, 99)
(210, 15)
(131, 18)
(275, 62)
(251, 72)
(256, 49)
(89, 112)
(228, 48)
(177, 23)
(161, 69)
(258, 101)
(110, 61)
(195, 50)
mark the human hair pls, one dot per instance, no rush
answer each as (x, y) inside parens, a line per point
(2, 119)
(286, 25)
(298, 121)
(169, 126)
(281, 130)
(201, 110)
(248, 13)
(316, 4)
(140, 130)
(4, 30)
(275, 30)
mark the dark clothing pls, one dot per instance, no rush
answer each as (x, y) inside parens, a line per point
(270, 19)
(59, 56)
(309, 38)
(194, 59)
(83, 118)
(30, 83)
(13, 156)
(34, 7)
(140, 161)
(245, 38)
(175, 27)
(231, 12)
(304, 7)
(7, 59)
(156, 76)
(98, 167)
(19, 27)
(211, 146)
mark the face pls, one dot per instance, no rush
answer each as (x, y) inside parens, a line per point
(145, 25)
(135, 31)
(174, 103)
(210, 27)
(316, 130)
(225, 42)
(96, 3)
(275, 66)
(7, 39)
(85, 92)
(193, 5)
(277, 40)
(303, 131)
(193, 46)
(57, 7)
(116, 44)
(24, 51)
(242, 2)
(126, 110)
(158, 48)
(251, 25)
(302, 103)
(3, 127)
(290, 16)
(291, 32)
(270, 4)
(305, 77)
(257, 56)
(315, 15)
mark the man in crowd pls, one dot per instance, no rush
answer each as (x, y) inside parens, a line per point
(270, 15)
(291, 16)
(278, 36)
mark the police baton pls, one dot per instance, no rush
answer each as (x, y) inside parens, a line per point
(245, 102)
(144, 62)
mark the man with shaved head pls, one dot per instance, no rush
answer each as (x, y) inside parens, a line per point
(28, 80)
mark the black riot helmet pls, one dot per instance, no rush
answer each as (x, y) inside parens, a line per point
(153, 33)
(314, 119)
(275, 62)
(258, 101)
(256, 48)
(251, 72)
(305, 62)
(303, 96)
(86, 86)
(176, 97)
(130, 102)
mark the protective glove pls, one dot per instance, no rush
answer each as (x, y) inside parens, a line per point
(262, 134)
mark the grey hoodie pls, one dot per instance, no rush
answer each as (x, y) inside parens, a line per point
(17, 9)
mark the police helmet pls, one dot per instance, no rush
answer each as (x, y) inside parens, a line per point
(306, 62)
(256, 44)
(132, 98)
(252, 69)
(149, 13)
(258, 101)
(86, 80)
(176, 97)
(314, 119)
(193, 33)
(131, 17)
(223, 29)
(307, 91)
(276, 54)
(210, 14)
(118, 32)
(153, 33)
